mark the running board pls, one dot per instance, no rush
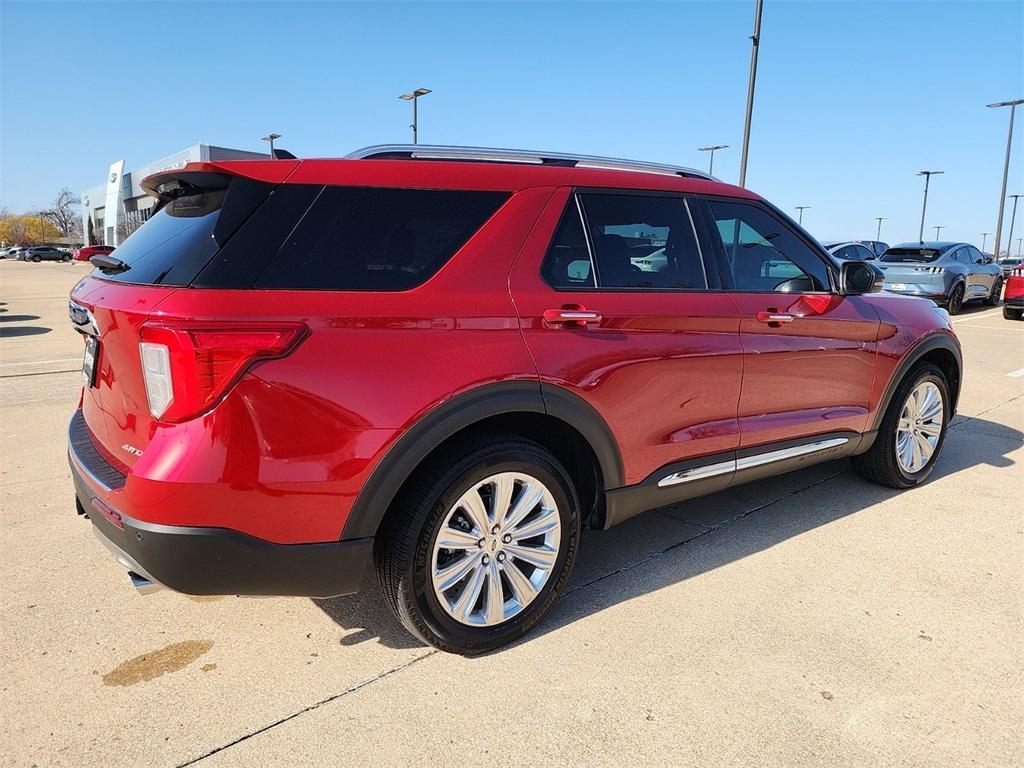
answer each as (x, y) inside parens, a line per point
(748, 462)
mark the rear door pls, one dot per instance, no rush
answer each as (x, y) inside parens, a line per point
(614, 305)
(809, 353)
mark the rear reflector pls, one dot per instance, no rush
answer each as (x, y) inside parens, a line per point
(156, 372)
(188, 368)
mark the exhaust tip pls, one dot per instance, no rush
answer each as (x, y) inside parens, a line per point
(143, 585)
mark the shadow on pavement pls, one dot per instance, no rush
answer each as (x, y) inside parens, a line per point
(26, 330)
(673, 543)
(17, 318)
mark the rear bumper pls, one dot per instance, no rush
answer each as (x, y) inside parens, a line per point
(218, 561)
(1014, 302)
(935, 293)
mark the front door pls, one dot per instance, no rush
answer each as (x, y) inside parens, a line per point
(808, 353)
(613, 302)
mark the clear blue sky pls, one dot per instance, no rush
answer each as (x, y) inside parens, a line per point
(853, 97)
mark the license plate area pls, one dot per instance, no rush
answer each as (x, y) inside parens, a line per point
(92, 353)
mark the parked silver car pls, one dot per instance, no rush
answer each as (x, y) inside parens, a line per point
(851, 250)
(947, 273)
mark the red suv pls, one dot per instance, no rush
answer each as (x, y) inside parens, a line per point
(86, 252)
(1013, 298)
(448, 362)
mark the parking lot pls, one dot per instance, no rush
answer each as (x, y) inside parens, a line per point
(812, 619)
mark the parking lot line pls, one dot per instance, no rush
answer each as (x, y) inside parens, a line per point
(1019, 373)
(979, 316)
(41, 362)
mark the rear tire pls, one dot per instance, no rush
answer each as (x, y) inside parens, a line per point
(501, 596)
(1012, 314)
(956, 299)
(885, 463)
(993, 297)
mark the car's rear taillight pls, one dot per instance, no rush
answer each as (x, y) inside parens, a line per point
(1018, 272)
(187, 368)
(930, 270)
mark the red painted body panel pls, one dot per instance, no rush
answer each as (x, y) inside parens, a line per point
(1014, 287)
(284, 453)
(809, 376)
(662, 369)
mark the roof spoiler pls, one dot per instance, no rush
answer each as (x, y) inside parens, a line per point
(205, 176)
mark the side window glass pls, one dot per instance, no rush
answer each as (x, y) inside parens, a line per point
(643, 241)
(763, 254)
(976, 255)
(567, 264)
(863, 254)
(845, 254)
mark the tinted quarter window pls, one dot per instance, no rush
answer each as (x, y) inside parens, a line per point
(180, 239)
(355, 238)
(762, 253)
(643, 241)
(567, 263)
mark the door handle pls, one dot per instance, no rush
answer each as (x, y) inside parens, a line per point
(775, 319)
(571, 317)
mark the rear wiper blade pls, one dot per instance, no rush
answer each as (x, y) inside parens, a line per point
(109, 264)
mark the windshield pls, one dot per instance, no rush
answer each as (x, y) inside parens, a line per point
(911, 254)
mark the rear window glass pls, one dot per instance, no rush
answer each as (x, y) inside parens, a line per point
(358, 238)
(178, 241)
(911, 254)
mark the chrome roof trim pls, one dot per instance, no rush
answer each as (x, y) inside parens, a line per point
(521, 156)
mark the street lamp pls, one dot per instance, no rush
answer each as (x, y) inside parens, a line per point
(1019, 240)
(755, 40)
(984, 237)
(800, 214)
(270, 137)
(711, 163)
(937, 230)
(1013, 218)
(1006, 168)
(878, 234)
(924, 207)
(414, 97)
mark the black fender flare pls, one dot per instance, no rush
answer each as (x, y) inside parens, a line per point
(913, 356)
(461, 411)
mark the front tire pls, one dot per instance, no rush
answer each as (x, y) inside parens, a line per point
(912, 432)
(478, 545)
(993, 297)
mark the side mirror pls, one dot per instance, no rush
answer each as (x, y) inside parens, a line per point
(857, 277)
(987, 260)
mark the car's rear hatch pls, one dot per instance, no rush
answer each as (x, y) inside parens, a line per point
(201, 207)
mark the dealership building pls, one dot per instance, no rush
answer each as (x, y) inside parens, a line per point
(119, 206)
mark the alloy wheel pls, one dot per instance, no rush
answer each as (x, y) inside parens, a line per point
(919, 427)
(496, 549)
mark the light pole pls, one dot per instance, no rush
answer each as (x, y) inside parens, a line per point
(711, 163)
(1019, 240)
(270, 137)
(800, 214)
(984, 237)
(414, 97)
(937, 230)
(878, 234)
(1006, 168)
(1013, 218)
(924, 207)
(755, 42)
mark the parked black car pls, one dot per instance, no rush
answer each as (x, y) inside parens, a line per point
(44, 253)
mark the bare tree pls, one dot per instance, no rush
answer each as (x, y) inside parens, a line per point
(64, 214)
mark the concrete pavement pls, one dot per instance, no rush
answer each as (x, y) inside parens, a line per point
(812, 619)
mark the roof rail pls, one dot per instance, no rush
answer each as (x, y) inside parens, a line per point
(527, 156)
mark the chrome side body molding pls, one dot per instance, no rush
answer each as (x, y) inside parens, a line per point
(747, 462)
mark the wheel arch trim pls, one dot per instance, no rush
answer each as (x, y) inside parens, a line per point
(930, 343)
(462, 411)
